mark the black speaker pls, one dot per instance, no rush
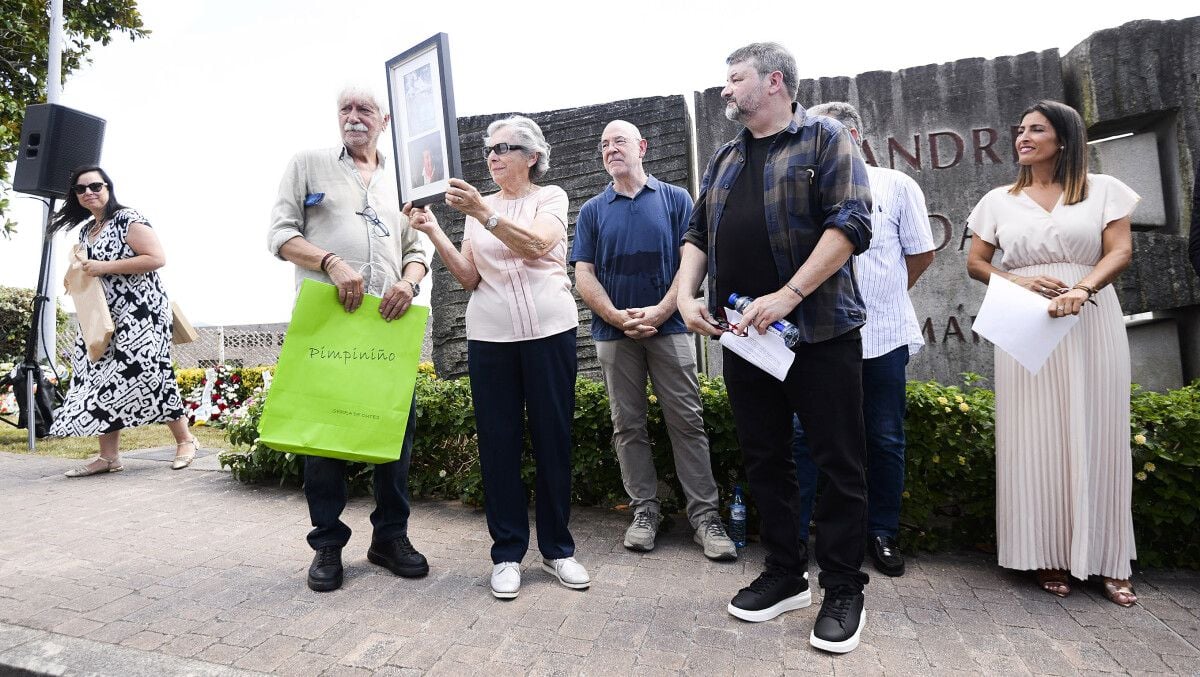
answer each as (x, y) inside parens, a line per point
(55, 140)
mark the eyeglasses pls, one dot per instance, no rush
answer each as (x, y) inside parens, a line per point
(372, 218)
(501, 149)
(80, 189)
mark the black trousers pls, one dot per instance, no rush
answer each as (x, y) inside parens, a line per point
(513, 382)
(325, 489)
(823, 388)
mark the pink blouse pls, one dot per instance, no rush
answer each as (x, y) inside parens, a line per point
(519, 299)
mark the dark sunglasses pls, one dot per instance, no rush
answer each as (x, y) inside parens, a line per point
(80, 189)
(501, 149)
(372, 218)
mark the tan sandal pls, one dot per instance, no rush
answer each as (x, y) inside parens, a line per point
(1054, 581)
(1120, 592)
(183, 461)
(86, 470)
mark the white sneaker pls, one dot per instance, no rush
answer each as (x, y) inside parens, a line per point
(569, 572)
(506, 580)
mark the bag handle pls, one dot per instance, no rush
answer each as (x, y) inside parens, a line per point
(368, 270)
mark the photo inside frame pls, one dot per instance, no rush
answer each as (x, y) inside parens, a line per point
(419, 126)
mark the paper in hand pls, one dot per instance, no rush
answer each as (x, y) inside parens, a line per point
(765, 351)
(1016, 321)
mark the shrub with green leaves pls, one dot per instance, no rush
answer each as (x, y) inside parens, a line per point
(16, 311)
(950, 465)
(949, 498)
(1166, 475)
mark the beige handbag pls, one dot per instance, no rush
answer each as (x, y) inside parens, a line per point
(182, 331)
(91, 308)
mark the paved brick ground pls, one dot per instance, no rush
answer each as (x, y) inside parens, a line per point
(154, 572)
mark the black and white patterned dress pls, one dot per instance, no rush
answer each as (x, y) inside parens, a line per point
(132, 383)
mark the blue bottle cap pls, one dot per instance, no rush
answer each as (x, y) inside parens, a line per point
(733, 298)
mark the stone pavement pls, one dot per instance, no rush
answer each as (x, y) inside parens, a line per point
(154, 572)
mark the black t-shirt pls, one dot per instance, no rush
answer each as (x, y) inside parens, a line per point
(744, 261)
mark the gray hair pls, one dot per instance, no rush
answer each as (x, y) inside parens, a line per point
(529, 135)
(361, 92)
(840, 111)
(767, 58)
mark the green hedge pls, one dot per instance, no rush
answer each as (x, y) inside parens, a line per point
(950, 484)
(16, 309)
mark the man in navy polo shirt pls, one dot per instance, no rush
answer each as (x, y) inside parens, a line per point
(626, 254)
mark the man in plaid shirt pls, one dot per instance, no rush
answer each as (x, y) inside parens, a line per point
(783, 231)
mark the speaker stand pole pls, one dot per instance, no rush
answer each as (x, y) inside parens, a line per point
(37, 329)
(33, 371)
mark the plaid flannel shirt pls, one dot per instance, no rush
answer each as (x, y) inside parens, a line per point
(814, 179)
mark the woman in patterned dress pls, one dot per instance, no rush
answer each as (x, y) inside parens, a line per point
(132, 383)
(1063, 465)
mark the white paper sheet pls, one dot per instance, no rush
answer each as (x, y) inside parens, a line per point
(765, 351)
(1017, 321)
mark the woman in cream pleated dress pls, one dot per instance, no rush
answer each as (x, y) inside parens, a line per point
(1063, 463)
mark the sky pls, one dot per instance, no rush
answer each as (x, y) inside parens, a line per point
(203, 115)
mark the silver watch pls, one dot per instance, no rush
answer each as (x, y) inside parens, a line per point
(416, 287)
(492, 222)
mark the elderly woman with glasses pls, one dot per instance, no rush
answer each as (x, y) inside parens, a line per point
(521, 322)
(132, 383)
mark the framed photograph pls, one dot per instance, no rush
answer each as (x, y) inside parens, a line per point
(424, 126)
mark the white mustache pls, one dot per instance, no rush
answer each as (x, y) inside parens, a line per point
(354, 127)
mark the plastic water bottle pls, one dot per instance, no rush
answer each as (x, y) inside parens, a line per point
(781, 328)
(737, 518)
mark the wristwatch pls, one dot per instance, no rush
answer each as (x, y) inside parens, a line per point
(416, 287)
(492, 222)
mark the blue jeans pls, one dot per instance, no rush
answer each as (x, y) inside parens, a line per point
(883, 380)
(325, 489)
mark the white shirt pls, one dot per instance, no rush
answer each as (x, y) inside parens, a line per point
(899, 228)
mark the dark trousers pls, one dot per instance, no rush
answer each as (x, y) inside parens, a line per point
(325, 489)
(509, 380)
(884, 403)
(823, 388)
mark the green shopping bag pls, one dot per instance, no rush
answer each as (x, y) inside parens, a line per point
(344, 382)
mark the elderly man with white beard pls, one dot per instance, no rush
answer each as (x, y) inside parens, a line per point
(337, 219)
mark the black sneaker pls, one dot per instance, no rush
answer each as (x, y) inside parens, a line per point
(399, 557)
(325, 572)
(770, 594)
(840, 621)
(886, 554)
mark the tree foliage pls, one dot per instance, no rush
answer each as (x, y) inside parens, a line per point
(24, 49)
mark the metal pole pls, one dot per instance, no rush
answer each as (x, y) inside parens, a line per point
(46, 322)
(48, 336)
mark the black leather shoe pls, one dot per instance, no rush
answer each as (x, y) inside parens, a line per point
(886, 555)
(399, 557)
(325, 572)
(840, 621)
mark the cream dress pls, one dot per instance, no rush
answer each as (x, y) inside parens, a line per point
(1063, 463)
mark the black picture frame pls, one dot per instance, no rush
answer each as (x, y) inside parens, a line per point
(424, 124)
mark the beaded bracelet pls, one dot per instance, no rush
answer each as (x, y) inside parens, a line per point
(796, 289)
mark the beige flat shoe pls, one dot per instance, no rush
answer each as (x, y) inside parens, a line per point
(106, 466)
(184, 460)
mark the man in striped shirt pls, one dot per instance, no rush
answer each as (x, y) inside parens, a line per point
(901, 249)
